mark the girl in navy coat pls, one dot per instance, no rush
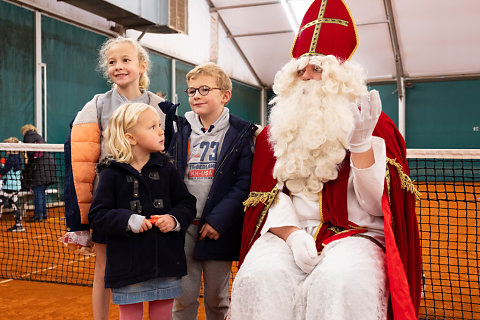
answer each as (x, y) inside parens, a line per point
(143, 208)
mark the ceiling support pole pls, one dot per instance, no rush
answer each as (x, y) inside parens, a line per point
(401, 108)
(398, 65)
(38, 119)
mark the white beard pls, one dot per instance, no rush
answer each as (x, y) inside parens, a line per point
(310, 129)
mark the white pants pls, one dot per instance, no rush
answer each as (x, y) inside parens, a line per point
(216, 276)
(348, 283)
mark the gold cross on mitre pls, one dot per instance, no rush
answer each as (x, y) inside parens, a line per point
(318, 25)
(338, 37)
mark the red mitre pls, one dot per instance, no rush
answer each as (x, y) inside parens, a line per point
(327, 29)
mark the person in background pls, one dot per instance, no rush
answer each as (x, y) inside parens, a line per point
(145, 259)
(40, 172)
(213, 151)
(11, 174)
(125, 63)
(329, 176)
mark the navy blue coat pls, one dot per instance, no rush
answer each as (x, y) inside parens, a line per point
(136, 257)
(230, 187)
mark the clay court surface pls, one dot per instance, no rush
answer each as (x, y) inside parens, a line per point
(28, 300)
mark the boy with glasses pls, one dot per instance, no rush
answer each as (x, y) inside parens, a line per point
(213, 152)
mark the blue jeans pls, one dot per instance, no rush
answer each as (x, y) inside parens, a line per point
(40, 201)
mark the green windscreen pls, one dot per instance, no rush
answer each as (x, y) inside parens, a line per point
(17, 69)
(181, 84)
(70, 54)
(443, 115)
(389, 97)
(245, 102)
(160, 75)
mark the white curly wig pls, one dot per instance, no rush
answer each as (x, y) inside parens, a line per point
(311, 122)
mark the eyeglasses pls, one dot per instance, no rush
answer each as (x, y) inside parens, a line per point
(203, 90)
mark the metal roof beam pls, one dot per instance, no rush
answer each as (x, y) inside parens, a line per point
(215, 9)
(258, 34)
(437, 78)
(395, 45)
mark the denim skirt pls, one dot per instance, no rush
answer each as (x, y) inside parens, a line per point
(150, 290)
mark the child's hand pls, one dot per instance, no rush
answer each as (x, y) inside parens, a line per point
(209, 232)
(146, 225)
(164, 222)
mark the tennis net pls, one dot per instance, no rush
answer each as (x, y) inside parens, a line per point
(35, 254)
(447, 212)
(448, 217)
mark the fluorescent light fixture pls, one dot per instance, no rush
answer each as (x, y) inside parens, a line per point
(291, 20)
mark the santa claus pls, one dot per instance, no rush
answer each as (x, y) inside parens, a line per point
(330, 230)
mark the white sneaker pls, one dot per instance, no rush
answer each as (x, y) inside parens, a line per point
(16, 229)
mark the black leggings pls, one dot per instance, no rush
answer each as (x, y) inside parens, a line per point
(11, 197)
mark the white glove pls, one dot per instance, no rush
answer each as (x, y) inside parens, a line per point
(365, 119)
(304, 250)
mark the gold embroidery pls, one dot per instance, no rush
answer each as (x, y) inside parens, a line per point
(267, 198)
(321, 215)
(320, 202)
(254, 198)
(387, 178)
(407, 183)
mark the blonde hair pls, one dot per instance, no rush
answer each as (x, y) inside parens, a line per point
(14, 140)
(122, 120)
(11, 140)
(28, 127)
(210, 69)
(143, 56)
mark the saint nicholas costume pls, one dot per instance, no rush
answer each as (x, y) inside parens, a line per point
(347, 236)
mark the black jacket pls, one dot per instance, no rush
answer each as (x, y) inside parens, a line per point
(136, 257)
(40, 169)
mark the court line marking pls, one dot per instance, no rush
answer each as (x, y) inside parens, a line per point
(43, 235)
(5, 281)
(54, 267)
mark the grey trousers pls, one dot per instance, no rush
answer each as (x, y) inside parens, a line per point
(216, 276)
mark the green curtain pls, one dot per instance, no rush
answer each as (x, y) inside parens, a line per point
(389, 97)
(160, 75)
(70, 54)
(443, 115)
(181, 84)
(245, 102)
(17, 69)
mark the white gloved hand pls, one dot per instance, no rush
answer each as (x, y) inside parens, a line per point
(365, 120)
(304, 250)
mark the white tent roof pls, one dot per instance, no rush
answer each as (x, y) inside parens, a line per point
(413, 39)
(426, 39)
